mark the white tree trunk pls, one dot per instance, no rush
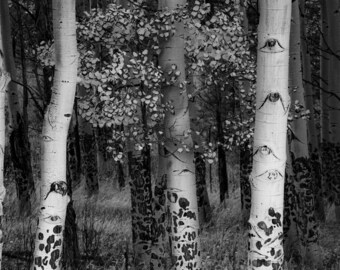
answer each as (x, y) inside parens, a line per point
(4, 80)
(181, 184)
(53, 189)
(269, 150)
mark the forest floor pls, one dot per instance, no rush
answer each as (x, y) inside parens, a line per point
(104, 233)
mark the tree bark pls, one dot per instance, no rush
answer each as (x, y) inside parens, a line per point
(313, 141)
(222, 161)
(307, 225)
(334, 104)
(324, 66)
(269, 149)
(180, 168)
(141, 200)
(20, 147)
(204, 208)
(246, 159)
(71, 253)
(54, 195)
(159, 252)
(4, 80)
(89, 153)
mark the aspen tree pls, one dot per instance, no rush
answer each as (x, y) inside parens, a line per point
(334, 102)
(269, 149)
(301, 163)
(53, 188)
(180, 167)
(4, 80)
(324, 64)
(20, 147)
(313, 136)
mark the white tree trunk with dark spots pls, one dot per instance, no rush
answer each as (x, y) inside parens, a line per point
(53, 188)
(269, 150)
(179, 154)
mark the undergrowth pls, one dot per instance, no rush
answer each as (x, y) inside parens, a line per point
(104, 234)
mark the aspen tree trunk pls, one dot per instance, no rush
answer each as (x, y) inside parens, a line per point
(222, 160)
(71, 253)
(292, 242)
(54, 195)
(334, 103)
(324, 66)
(313, 141)
(204, 209)
(4, 80)
(180, 168)
(303, 180)
(89, 153)
(159, 251)
(141, 199)
(20, 147)
(326, 149)
(269, 150)
(246, 157)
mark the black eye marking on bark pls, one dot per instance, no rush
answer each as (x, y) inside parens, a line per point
(274, 97)
(272, 45)
(58, 187)
(272, 174)
(265, 150)
(47, 138)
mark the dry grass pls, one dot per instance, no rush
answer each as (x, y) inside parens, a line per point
(104, 233)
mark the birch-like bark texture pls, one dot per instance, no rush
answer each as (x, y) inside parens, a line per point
(303, 181)
(53, 188)
(4, 80)
(269, 150)
(180, 167)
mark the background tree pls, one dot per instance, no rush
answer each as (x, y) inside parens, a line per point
(20, 146)
(301, 163)
(4, 80)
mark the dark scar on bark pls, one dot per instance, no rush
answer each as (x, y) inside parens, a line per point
(267, 149)
(274, 97)
(272, 45)
(58, 187)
